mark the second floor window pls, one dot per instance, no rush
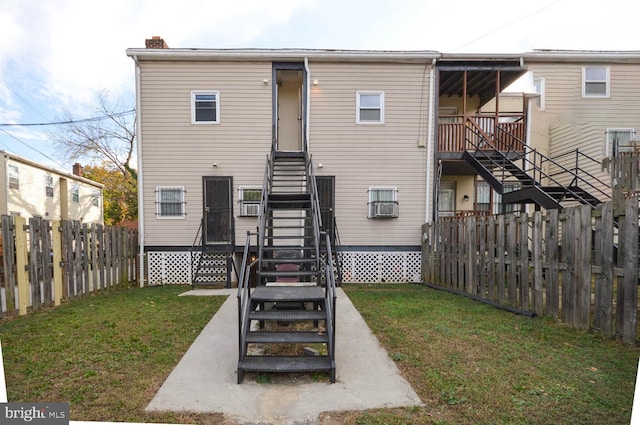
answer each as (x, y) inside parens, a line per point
(75, 193)
(95, 198)
(205, 107)
(370, 107)
(14, 177)
(595, 81)
(48, 186)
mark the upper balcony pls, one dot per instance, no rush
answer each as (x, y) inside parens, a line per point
(458, 133)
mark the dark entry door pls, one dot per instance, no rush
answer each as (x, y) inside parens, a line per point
(218, 210)
(326, 196)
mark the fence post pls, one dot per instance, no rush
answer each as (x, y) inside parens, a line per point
(21, 264)
(630, 282)
(553, 289)
(584, 265)
(56, 245)
(8, 245)
(537, 263)
(523, 251)
(604, 280)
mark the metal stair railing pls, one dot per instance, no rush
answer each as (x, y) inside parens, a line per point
(315, 209)
(338, 251)
(330, 302)
(262, 211)
(534, 165)
(244, 297)
(196, 241)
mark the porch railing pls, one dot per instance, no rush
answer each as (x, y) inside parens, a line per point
(506, 132)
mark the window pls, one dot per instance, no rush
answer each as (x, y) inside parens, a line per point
(370, 107)
(538, 86)
(483, 196)
(95, 197)
(14, 177)
(508, 208)
(250, 201)
(48, 186)
(170, 202)
(205, 107)
(383, 202)
(619, 140)
(595, 81)
(75, 193)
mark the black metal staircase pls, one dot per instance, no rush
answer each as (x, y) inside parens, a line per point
(538, 179)
(292, 301)
(211, 265)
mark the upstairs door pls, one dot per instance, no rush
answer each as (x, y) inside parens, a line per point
(218, 210)
(289, 106)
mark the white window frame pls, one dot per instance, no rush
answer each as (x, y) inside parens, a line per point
(75, 193)
(14, 174)
(608, 146)
(606, 81)
(194, 94)
(48, 185)
(95, 197)
(182, 202)
(244, 205)
(539, 85)
(380, 95)
(373, 204)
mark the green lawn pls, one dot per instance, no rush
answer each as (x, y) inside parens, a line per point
(471, 364)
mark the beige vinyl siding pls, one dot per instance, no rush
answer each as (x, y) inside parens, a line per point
(573, 122)
(178, 153)
(364, 155)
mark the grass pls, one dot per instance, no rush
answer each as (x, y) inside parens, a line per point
(471, 364)
(107, 355)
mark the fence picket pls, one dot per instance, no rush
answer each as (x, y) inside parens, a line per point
(630, 280)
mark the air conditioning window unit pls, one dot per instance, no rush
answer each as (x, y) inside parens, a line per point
(250, 210)
(384, 210)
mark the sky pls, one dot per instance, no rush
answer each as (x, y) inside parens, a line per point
(57, 55)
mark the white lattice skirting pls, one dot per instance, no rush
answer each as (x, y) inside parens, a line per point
(174, 268)
(383, 266)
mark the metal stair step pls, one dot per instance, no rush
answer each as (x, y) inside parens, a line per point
(287, 293)
(270, 337)
(285, 364)
(292, 273)
(288, 315)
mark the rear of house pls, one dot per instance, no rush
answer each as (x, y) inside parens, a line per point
(208, 119)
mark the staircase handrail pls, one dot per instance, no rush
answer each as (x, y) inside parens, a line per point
(338, 250)
(533, 163)
(330, 299)
(193, 247)
(315, 207)
(262, 211)
(244, 295)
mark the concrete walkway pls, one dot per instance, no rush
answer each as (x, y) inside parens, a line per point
(205, 379)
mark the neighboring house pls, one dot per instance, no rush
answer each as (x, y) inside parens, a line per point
(35, 190)
(397, 138)
(590, 101)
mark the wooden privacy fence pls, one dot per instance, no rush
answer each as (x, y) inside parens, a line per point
(45, 262)
(580, 265)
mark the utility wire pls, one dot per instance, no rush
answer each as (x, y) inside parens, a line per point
(32, 148)
(100, 118)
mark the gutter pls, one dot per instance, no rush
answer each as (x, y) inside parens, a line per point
(307, 106)
(140, 174)
(430, 138)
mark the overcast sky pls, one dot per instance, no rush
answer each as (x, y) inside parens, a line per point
(55, 55)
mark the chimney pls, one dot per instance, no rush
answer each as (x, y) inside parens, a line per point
(78, 169)
(155, 42)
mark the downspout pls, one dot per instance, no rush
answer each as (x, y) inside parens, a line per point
(430, 139)
(307, 105)
(140, 175)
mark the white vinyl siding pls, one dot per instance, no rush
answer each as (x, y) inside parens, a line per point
(173, 149)
(205, 107)
(362, 156)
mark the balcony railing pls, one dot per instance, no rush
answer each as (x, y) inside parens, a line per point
(506, 132)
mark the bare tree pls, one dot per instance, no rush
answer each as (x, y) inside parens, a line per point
(108, 136)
